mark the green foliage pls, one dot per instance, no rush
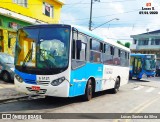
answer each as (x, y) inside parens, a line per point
(127, 44)
(119, 42)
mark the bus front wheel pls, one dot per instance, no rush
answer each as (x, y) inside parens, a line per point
(88, 91)
(116, 86)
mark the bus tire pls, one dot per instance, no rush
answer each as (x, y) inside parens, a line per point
(48, 98)
(88, 91)
(116, 86)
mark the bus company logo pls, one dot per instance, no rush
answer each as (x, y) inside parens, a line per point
(6, 116)
(108, 71)
(148, 9)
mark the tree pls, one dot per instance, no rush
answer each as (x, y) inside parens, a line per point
(127, 44)
(119, 42)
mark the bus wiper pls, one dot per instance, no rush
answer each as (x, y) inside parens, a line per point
(9, 63)
(28, 54)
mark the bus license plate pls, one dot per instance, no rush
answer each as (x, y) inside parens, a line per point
(37, 88)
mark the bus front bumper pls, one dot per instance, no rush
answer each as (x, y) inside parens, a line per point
(61, 90)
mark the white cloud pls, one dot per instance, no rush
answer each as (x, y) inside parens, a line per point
(130, 23)
(119, 33)
(118, 7)
(67, 16)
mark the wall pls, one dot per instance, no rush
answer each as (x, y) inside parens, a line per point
(34, 9)
(8, 32)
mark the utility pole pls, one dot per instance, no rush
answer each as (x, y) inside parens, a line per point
(90, 20)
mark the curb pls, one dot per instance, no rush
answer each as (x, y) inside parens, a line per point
(9, 99)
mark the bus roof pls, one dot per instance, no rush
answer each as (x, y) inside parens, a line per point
(139, 54)
(94, 35)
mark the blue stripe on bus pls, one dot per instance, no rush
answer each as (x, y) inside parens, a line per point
(80, 76)
(27, 78)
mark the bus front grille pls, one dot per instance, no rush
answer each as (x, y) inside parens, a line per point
(45, 83)
(41, 91)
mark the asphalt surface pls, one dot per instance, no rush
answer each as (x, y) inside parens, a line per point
(135, 97)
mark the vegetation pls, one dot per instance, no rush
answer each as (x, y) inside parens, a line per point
(127, 44)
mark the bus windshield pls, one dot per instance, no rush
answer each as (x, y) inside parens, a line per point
(43, 48)
(150, 63)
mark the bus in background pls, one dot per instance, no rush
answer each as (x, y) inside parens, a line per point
(67, 61)
(142, 66)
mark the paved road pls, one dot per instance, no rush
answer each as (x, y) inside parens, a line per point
(135, 97)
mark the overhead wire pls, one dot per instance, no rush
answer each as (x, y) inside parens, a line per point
(71, 3)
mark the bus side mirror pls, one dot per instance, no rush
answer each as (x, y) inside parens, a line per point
(79, 45)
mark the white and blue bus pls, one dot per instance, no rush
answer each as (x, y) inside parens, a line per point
(142, 66)
(66, 61)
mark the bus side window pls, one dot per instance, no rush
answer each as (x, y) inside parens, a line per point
(75, 36)
(126, 59)
(112, 53)
(90, 44)
(73, 49)
(119, 53)
(122, 58)
(125, 55)
(78, 48)
(81, 53)
(81, 47)
(95, 51)
(116, 58)
(107, 57)
(101, 47)
(104, 48)
(112, 50)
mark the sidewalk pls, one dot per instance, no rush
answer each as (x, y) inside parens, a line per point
(8, 92)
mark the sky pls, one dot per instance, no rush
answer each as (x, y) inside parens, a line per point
(130, 22)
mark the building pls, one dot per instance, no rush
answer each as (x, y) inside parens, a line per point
(147, 43)
(19, 13)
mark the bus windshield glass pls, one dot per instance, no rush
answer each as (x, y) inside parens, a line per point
(43, 47)
(150, 62)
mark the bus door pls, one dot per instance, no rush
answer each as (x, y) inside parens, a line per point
(137, 66)
(78, 73)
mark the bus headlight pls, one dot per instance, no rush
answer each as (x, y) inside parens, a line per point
(19, 78)
(57, 81)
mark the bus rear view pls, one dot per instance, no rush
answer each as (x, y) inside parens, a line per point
(142, 66)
